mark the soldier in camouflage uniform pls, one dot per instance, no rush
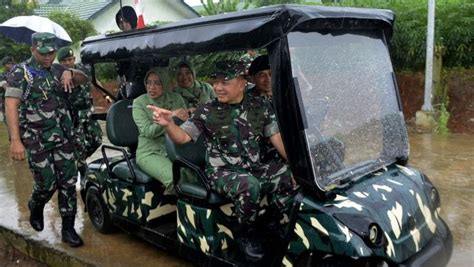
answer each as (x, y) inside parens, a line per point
(234, 125)
(261, 75)
(7, 63)
(40, 123)
(88, 135)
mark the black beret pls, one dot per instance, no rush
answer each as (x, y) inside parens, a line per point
(258, 64)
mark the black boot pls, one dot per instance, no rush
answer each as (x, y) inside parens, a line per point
(249, 244)
(68, 233)
(36, 215)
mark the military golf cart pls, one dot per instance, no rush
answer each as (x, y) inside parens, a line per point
(339, 112)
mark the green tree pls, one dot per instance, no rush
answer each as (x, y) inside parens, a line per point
(223, 6)
(260, 3)
(9, 9)
(77, 28)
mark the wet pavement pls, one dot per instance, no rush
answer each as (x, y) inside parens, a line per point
(117, 249)
(448, 162)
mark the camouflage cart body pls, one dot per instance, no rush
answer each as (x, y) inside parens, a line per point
(205, 229)
(137, 202)
(339, 114)
(399, 202)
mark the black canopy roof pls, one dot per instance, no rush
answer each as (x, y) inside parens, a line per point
(238, 30)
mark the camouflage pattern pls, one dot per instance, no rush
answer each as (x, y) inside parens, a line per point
(45, 42)
(140, 203)
(45, 129)
(234, 134)
(88, 136)
(398, 199)
(228, 70)
(55, 169)
(212, 230)
(268, 152)
(246, 187)
(208, 230)
(3, 85)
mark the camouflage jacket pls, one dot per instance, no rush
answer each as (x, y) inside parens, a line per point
(200, 93)
(43, 116)
(81, 96)
(3, 84)
(254, 92)
(233, 132)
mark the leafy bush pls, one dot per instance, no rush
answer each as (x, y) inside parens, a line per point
(8, 47)
(453, 30)
(105, 72)
(77, 28)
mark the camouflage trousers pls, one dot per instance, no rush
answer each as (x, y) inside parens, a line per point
(247, 187)
(55, 169)
(88, 136)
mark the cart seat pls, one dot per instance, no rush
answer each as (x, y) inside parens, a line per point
(123, 132)
(190, 181)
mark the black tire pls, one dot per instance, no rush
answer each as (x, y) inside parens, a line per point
(98, 211)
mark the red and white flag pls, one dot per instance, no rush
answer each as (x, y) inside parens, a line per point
(139, 8)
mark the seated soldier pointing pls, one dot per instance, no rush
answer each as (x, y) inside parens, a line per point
(233, 126)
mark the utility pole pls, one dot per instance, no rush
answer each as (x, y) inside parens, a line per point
(427, 107)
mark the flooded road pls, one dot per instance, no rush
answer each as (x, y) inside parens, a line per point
(117, 249)
(448, 162)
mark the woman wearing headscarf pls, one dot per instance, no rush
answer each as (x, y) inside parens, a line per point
(151, 153)
(194, 92)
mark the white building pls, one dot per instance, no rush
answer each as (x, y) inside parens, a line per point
(102, 12)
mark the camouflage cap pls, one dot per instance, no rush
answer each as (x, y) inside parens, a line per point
(65, 52)
(228, 70)
(7, 60)
(45, 42)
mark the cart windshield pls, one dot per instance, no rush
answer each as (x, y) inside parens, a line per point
(354, 125)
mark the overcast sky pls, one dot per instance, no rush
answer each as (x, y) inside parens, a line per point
(193, 2)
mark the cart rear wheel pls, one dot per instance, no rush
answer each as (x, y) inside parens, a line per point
(98, 211)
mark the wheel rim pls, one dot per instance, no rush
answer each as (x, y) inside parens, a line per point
(96, 212)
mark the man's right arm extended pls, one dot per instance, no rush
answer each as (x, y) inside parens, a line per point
(164, 118)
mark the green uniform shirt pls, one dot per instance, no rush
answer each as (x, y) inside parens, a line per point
(151, 138)
(199, 93)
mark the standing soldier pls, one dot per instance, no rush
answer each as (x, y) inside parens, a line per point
(7, 63)
(88, 136)
(39, 121)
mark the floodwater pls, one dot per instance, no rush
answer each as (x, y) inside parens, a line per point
(448, 162)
